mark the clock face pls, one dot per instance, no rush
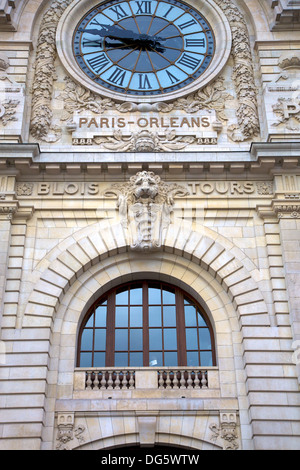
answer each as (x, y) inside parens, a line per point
(143, 48)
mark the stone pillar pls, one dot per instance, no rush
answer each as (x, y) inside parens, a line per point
(8, 207)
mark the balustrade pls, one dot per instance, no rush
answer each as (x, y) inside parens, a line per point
(167, 379)
(110, 380)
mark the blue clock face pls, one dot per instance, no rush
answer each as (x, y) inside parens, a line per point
(143, 48)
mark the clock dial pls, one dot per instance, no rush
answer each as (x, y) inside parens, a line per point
(143, 47)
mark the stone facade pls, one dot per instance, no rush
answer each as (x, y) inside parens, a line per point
(86, 205)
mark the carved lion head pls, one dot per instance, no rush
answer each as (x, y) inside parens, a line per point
(145, 185)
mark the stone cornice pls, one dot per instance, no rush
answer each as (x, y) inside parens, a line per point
(262, 159)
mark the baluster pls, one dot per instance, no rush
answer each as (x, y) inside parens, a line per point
(182, 379)
(196, 380)
(168, 380)
(117, 381)
(103, 380)
(161, 379)
(89, 380)
(110, 380)
(203, 379)
(124, 379)
(175, 380)
(131, 380)
(189, 380)
(96, 381)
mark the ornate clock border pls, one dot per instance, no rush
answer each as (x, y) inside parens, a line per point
(247, 127)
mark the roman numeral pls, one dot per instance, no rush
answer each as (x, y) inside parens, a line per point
(195, 42)
(172, 77)
(94, 43)
(187, 24)
(98, 62)
(117, 77)
(170, 9)
(189, 61)
(144, 7)
(119, 11)
(95, 22)
(144, 83)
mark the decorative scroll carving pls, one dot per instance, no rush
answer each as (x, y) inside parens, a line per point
(145, 141)
(243, 75)
(41, 127)
(145, 205)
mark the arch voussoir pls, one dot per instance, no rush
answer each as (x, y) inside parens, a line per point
(202, 250)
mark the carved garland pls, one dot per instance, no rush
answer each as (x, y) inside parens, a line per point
(41, 128)
(248, 122)
(243, 75)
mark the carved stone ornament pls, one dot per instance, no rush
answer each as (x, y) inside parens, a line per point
(145, 205)
(226, 432)
(67, 431)
(145, 141)
(288, 111)
(287, 211)
(8, 111)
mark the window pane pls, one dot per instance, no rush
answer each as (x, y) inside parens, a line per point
(155, 316)
(136, 316)
(122, 298)
(136, 340)
(204, 338)
(170, 339)
(192, 358)
(190, 315)
(155, 339)
(136, 296)
(100, 340)
(136, 359)
(171, 359)
(170, 316)
(206, 358)
(168, 297)
(201, 321)
(99, 359)
(86, 359)
(155, 359)
(191, 338)
(90, 322)
(121, 337)
(121, 360)
(87, 340)
(121, 316)
(154, 295)
(100, 319)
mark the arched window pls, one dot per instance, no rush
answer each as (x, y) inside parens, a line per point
(143, 324)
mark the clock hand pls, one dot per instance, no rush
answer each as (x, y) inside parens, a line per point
(125, 35)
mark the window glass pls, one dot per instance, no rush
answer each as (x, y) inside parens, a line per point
(145, 323)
